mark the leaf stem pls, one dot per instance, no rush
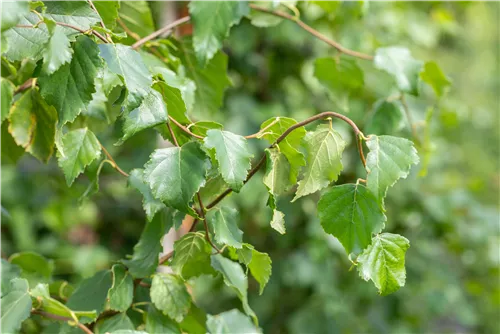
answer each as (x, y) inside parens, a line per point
(165, 258)
(61, 318)
(108, 37)
(202, 214)
(183, 128)
(113, 162)
(95, 33)
(176, 143)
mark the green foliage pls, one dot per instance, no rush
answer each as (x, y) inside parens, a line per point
(84, 77)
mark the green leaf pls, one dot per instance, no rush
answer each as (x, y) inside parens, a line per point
(172, 97)
(127, 63)
(137, 17)
(192, 256)
(145, 259)
(79, 148)
(127, 331)
(156, 322)
(434, 76)
(399, 63)
(16, 306)
(202, 127)
(289, 146)
(58, 50)
(179, 80)
(34, 267)
(9, 272)
(212, 21)
(277, 182)
(211, 81)
(343, 75)
(386, 118)
(12, 11)
(53, 306)
(11, 152)
(175, 174)
(195, 321)
(151, 112)
(25, 43)
(117, 322)
(232, 154)
(260, 267)
(108, 10)
(235, 278)
(91, 294)
(75, 13)
(329, 7)
(122, 290)
(33, 125)
(150, 204)
(384, 262)
(390, 158)
(70, 88)
(324, 160)
(224, 222)
(169, 295)
(230, 322)
(7, 94)
(351, 213)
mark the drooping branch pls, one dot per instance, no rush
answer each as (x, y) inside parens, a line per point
(358, 136)
(160, 32)
(114, 164)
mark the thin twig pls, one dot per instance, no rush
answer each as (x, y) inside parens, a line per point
(313, 32)
(165, 257)
(161, 31)
(61, 318)
(261, 131)
(176, 143)
(127, 30)
(183, 128)
(207, 232)
(95, 33)
(27, 84)
(358, 134)
(115, 165)
(108, 37)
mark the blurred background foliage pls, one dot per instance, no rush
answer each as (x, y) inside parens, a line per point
(448, 208)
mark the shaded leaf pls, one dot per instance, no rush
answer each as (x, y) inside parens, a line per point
(156, 322)
(117, 322)
(70, 88)
(434, 76)
(79, 148)
(386, 118)
(175, 174)
(145, 259)
(390, 158)
(16, 306)
(212, 21)
(192, 256)
(108, 10)
(122, 289)
(290, 145)
(34, 267)
(224, 222)
(33, 125)
(232, 154)
(324, 160)
(384, 262)
(150, 204)
(91, 294)
(230, 322)
(351, 213)
(235, 278)
(11, 152)
(7, 94)
(169, 295)
(399, 63)
(343, 75)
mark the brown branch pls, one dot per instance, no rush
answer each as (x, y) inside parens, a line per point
(183, 128)
(61, 318)
(161, 31)
(357, 132)
(27, 84)
(176, 143)
(165, 257)
(115, 165)
(207, 232)
(313, 32)
(108, 37)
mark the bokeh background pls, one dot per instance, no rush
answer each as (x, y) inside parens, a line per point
(448, 208)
